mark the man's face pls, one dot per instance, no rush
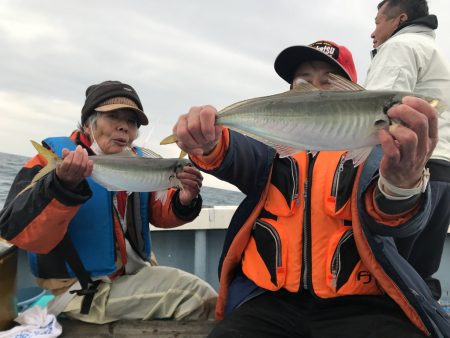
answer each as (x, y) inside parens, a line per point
(315, 73)
(384, 27)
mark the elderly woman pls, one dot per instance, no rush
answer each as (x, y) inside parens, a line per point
(91, 247)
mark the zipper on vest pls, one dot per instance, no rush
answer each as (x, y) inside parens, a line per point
(294, 175)
(119, 232)
(276, 237)
(337, 175)
(336, 259)
(306, 266)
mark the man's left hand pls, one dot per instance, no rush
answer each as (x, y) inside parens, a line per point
(407, 147)
(191, 180)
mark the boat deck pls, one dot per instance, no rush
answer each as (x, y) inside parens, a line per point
(137, 329)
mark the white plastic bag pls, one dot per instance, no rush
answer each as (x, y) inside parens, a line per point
(34, 323)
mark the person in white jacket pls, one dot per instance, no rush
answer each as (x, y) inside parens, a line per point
(407, 58)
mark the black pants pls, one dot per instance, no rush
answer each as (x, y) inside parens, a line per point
(284, 314)
(422, 255)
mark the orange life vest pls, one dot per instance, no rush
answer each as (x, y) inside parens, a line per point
(303, 237)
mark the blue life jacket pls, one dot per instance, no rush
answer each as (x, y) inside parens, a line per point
(92, 230)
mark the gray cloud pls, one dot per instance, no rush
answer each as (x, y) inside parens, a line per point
(175, 53)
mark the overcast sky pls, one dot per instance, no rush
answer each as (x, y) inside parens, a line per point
(176, 54)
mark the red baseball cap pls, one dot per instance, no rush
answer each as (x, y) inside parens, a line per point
(340, 56)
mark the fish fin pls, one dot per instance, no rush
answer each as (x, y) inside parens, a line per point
(304, 86)
(437, 104)
(124, 153)
(182, 154)
(253, 136)
(234, 105)
(43, 172)
(282, 150)
(340, 83)
(29, 186)
(148, 153)
(285, 151)
(169, 139)
(358, 156)
(161, 196)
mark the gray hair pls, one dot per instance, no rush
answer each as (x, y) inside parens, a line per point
(91, 121)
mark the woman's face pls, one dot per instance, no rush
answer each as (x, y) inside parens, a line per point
(114, 131)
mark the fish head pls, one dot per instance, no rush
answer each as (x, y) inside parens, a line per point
(397, 98)
(175, 182)
(384, 122)
(393, 100)
(179, 165)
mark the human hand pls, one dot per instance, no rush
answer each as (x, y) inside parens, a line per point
(196, 132)
(408, 147)
(191, 179)
(74, 168)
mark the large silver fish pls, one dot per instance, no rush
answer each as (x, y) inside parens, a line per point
(306, 118)
(124, 172)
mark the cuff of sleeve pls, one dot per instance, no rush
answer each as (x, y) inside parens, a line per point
(67, 196)
(388, 219)
(214, 159)
(394, 207)
(186, 212)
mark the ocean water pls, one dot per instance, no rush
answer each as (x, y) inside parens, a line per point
(10, 164)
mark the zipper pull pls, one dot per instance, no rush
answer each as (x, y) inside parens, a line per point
(297, 200)
(334, 280)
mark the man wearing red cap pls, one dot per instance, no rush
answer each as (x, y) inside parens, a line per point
(309, 251)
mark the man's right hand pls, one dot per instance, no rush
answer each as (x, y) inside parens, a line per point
(75, 167)
(196, 131)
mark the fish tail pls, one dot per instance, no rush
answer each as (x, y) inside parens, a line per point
(172, 139)
(51, 158)
(169, 139)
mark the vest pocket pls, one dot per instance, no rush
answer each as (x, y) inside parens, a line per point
(265, 257)
(343, 260)
(341, 180)
(283, 195)
(347, 274)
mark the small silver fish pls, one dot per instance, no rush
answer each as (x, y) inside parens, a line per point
(347, 117)
(124, 171)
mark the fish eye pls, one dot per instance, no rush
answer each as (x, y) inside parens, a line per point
(381, 123)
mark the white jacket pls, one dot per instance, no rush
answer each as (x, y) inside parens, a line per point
(411, 61)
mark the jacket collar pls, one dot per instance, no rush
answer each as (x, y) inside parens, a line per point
(429, 21)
